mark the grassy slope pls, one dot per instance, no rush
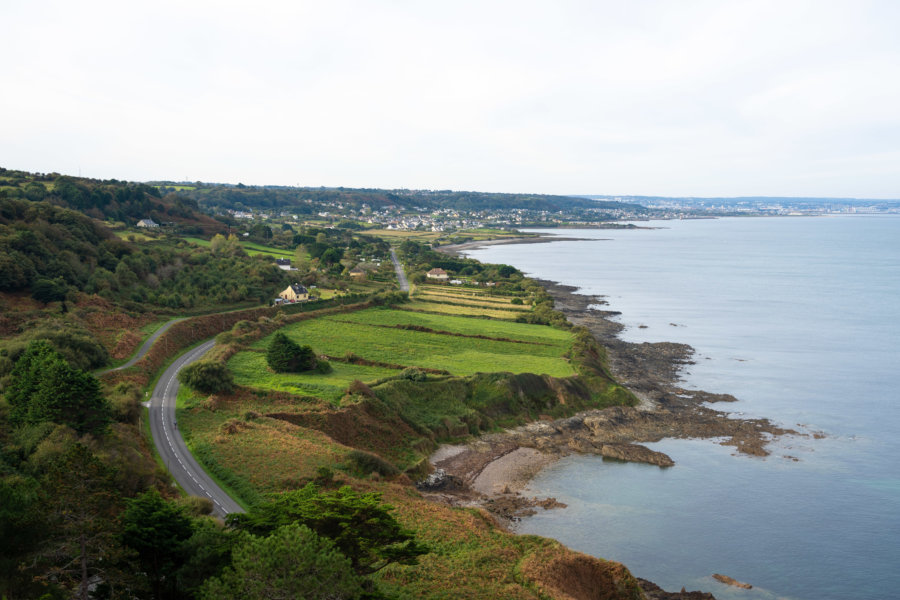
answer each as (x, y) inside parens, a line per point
(263, 441)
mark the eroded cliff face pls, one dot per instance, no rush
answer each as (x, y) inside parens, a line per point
(568, 575)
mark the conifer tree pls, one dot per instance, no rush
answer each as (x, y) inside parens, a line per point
(286, 356)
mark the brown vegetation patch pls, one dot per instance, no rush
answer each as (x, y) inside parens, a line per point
(366, 425)
(567, 575)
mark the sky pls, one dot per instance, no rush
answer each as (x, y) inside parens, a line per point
(637, 97)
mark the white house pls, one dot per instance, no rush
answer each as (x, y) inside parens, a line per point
(148, 223)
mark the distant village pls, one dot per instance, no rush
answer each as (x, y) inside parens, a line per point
(447, 220)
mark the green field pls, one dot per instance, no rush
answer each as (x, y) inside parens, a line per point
(458, 324)
(250, 369)
(250, 248)
(450, 309)
(482, 301)
(365, 334)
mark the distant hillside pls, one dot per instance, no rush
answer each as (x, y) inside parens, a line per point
(310, 200)
(108, 199)
(52, 252)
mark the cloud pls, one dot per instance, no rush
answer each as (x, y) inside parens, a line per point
(592, 97)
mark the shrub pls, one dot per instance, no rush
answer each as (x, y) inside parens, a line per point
(208, 377)
(516, 301)
(362, 463)
(413, 374)
(286, 356)
(361, 389)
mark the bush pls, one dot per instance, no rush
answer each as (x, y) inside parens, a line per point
(413, 374)
(286, 356)
(516, 301)
(208, 377)
(363, 463)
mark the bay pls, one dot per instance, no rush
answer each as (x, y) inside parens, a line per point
(799, 318)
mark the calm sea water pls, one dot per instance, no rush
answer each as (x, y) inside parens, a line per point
(800, 319)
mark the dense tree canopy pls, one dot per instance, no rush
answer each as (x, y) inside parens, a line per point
(360, 525)
(292, 562)
(43, 387)
(156, 530)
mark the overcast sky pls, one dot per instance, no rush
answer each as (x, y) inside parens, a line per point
(676, 98)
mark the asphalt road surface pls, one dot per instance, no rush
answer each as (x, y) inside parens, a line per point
(179, 461)
(401, 276)
(145, 347)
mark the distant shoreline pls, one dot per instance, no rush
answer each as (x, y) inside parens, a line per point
(540, 238)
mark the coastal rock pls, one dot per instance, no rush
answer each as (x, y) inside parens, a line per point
(439, 480)
(732, 582)
(636, 453)
(654, 592)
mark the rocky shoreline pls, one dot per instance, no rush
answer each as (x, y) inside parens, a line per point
(493, 470)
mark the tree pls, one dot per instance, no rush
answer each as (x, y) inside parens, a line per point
(26, 377)
(286, 356)
(206, 554)
(217, 243)
(301, 258)
(293, 562)
(361, 526)
(82, 503)
(22, 529)
(208, 377)
(332, 256)
(156, 530)
(49, 290)
(44, 387)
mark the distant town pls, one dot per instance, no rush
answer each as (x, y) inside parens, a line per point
(630, 208)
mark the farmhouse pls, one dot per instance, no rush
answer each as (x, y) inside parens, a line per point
(437, 273)
(294, 293)
(149, 223)
(283, 263)
(357, 273)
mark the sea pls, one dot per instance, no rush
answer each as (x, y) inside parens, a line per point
(799, 318)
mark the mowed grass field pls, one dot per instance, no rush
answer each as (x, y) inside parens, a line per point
(372, 335)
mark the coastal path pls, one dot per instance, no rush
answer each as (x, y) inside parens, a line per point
(169, 443)
(401, 276)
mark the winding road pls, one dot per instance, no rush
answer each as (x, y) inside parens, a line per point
(145, 347)
(163, 426)
(178, 459)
